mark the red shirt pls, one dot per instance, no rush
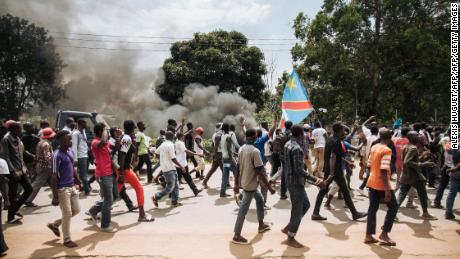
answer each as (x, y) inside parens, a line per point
(102, 158)
(399, 145)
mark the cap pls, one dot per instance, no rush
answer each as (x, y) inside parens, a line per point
(48, 133)
(10, 123)
(199, 130)
(306, 126)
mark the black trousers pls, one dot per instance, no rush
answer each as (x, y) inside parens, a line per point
(145, 159)
(276, 163)
(187, 178)
(16, 203)
(342, 183)
(374, 201)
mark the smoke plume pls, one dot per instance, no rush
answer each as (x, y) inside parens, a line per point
(111, 82)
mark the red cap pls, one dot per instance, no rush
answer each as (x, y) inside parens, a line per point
(199, 130)
(48, 133)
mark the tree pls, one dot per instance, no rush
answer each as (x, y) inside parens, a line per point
(29, 67)
(217, 58)
(376, 57)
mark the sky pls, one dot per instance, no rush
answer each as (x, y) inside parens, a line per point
(257, 19)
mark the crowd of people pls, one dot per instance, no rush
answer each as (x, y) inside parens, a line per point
(395, 162)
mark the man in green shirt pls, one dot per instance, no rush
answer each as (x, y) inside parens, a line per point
(143, 152)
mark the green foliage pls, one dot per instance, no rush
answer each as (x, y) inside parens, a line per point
(376, 57)
(29, 67)
(217, 58)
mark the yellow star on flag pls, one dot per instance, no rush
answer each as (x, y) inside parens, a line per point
(291, 83)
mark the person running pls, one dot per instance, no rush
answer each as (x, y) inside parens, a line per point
(80, 149)
(12, 152)
(63, 183)
(200, 152)
(454, 173)
(126, 174)
(319, 136)
(333, 155)
(412, 175)
(44, 156)
(100, 147)
(143, 152)
(251, 173)
(181, 155)
(379, 185)
(30, 141)
(168, 164)
(216, 154)
(294, 170)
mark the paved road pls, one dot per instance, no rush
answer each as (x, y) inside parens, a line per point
(202, 228)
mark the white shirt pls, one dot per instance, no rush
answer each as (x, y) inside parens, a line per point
(318, 136)
(196, 148)
(167, 154)
(4, 167)
(79, 144)
(370, 140)
(181, 155)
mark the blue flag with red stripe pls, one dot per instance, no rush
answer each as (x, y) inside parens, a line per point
(295, 105)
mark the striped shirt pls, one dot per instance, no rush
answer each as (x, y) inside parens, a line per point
(379, 159)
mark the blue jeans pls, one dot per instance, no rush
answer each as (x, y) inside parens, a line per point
(83, 173)
(443, 182)
(228, 166)
(300, 206)
(454, 189)
(104, 205)
(244, 207)
(172, 186)
(421, 191)
(374, 201)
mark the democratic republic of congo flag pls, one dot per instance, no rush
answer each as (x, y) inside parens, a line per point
(295, 104)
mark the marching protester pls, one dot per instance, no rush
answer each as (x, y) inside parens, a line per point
(80, 150)
(104, 175)
(296, 176)
(319, 136)
(200, 152)
(30, 141)
(333, 155)
(216, 154)
(189, 141)
(63, 183)
(44, 157)
(126, 154)
(454, 184)
(12, 150)
(143, 151)
(168, 164)
(181, 155)
(228, 161)
(251, 174)
(380, 187)
(412, 174)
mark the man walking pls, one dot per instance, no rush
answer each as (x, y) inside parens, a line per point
(412, 174)
(319, 136)
(216, 155)
(44, 156)
(251, 172)
(104, 176)
(333, 155)
(168, 163)
(143, 151)
(80, 150)
(181, 155)
(379, 184)
(294, 170)
(12, 152)
(63, 186)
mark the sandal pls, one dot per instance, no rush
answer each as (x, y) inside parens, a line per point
(371, 241)
(387, 243)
